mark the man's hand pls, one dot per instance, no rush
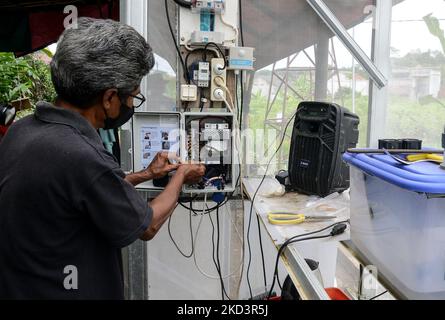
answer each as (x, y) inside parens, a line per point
(192, 173)
(164, 204)
(160, 166)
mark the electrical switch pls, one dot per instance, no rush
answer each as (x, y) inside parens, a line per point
(189, 92)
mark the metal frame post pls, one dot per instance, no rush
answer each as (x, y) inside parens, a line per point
(135, 14)
(380, 54)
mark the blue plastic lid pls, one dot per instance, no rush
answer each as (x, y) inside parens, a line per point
(425, 177)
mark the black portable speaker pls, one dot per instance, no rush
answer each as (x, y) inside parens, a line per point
(322, 132)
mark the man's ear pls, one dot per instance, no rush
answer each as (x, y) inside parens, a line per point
(110, 99)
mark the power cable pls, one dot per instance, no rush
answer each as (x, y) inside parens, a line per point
(337, 228)
(184, 69)
(379, 295)
(183, 3)
(253, 200)
(191, 235)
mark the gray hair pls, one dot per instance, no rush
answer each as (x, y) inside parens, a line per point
(96, 56)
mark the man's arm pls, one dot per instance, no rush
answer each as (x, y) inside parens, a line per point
(158, 168)
(164, 204)
(139, 177)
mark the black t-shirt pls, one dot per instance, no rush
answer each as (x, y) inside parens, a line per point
(65, 210)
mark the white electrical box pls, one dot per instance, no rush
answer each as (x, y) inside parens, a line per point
(200, 137)
(191, 34)
(208, 139)
(241, 58)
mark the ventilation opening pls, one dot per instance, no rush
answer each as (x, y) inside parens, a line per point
(310, 127)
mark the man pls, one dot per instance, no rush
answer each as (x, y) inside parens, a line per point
(66, 208)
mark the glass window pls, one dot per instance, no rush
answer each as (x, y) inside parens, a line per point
(416, 104)
(296, 47)
(161, 81)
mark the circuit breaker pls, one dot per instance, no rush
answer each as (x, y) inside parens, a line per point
(202, 74)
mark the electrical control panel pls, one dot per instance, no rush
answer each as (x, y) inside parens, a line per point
(202, 131)
(196, 137)
(208, 140)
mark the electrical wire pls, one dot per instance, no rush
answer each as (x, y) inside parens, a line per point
(240, 112)
(279, 253)
(183, 3)
(220, 82)
(239, 180)
(262, 251)
(379, 295)
(240, 11)
(190, 51)
(191, 235)
(184, 69)
(217, 253)
(208, 210)
(187, 46)
(235, 29)
(218, 269)
(242, 99)
(194, 240)
(297, 238)
(218, 48)
(253, 200)
(195, 259)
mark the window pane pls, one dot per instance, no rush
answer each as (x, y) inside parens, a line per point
(416, 107)
(287, 63)
(161, 95)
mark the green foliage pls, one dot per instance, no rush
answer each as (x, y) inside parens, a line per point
(418, 58)
(408, 119)
(25, 77)
(257, 113)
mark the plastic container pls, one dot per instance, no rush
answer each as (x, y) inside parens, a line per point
(398, 222)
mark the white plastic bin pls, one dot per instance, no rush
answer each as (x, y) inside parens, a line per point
(398, 222)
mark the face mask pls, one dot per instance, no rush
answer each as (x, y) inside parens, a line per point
(7, 115)
(125, 114)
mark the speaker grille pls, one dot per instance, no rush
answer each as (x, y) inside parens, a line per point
(315, 157)
(307, 161)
